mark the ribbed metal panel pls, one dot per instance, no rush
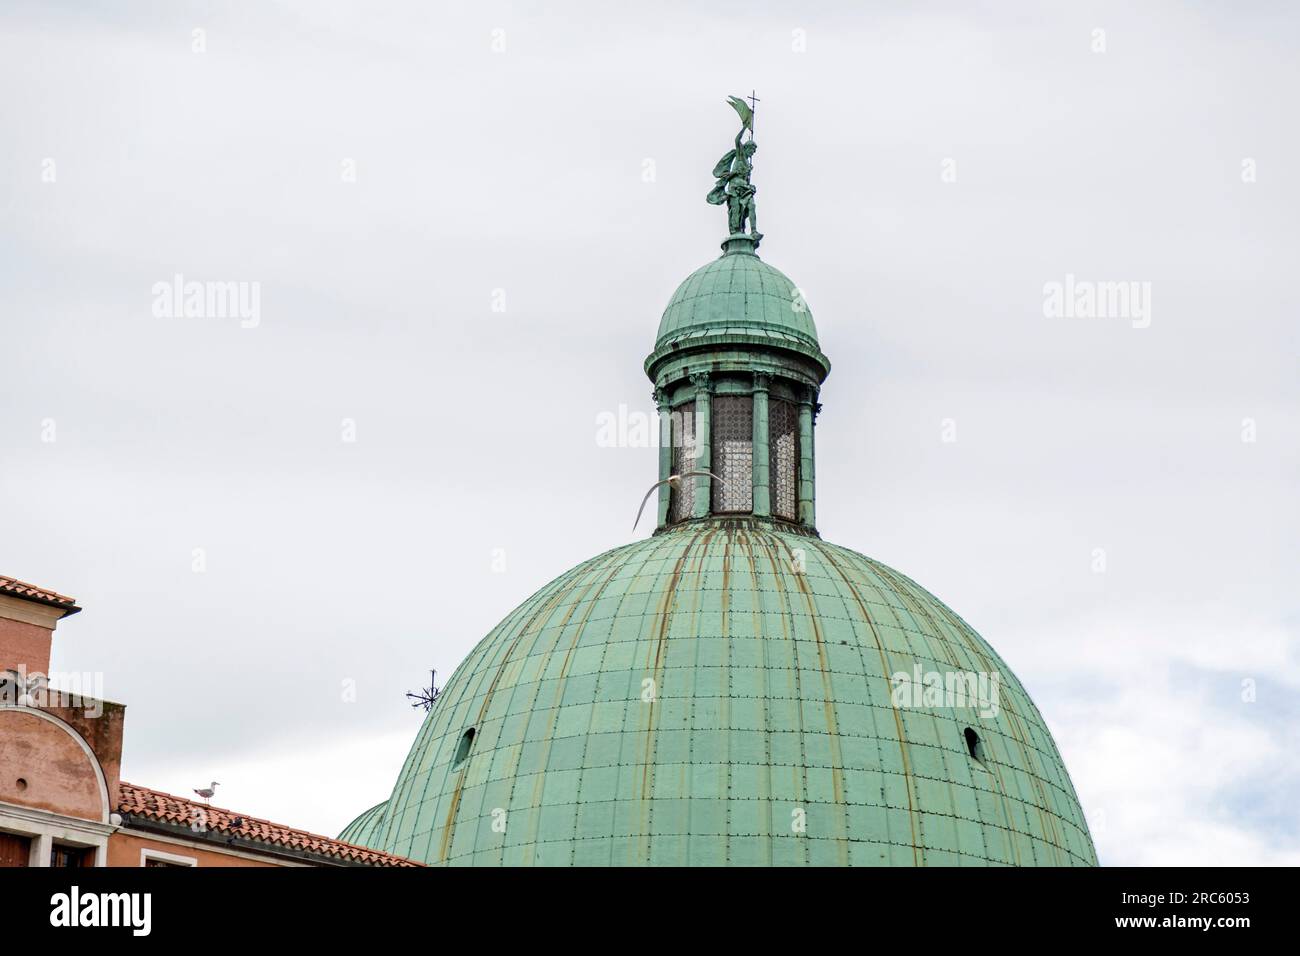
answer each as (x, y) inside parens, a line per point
(723, 693)
(365, 830)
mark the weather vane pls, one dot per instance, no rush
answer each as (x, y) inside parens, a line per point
(733, 171)
(427, 697)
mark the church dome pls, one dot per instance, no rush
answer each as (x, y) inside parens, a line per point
(724, 694)
(733, 690)
(363, 831)
(738, 298)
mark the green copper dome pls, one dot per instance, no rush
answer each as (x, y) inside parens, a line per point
(738, 299)
(733, 690)
(721, 694)
(362, 831)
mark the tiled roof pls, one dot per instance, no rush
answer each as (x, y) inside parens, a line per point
(30, 592)
(141, 802)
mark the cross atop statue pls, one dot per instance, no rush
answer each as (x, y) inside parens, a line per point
(733, 171)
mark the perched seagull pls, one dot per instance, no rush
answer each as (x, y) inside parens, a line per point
(208, 793)
(674, 482)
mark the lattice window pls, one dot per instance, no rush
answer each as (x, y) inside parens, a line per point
(732, 432)
(681, 504)
(783, 457)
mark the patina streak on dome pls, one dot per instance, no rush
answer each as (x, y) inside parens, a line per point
(771, 695)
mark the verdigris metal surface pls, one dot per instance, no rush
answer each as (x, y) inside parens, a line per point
(720, 694)
(362, 830)
(737, 291)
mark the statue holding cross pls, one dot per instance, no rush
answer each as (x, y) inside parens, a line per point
(733, 171)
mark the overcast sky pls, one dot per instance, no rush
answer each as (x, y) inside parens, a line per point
(392, 174)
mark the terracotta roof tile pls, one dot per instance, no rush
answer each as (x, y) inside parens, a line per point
(167, 808)
(30, 592)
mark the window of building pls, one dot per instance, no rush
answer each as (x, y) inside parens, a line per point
(149, 856)
(732, 433)
(65, 856)
(681, 503)
(783, 458)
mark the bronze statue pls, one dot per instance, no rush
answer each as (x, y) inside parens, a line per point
(733, 170)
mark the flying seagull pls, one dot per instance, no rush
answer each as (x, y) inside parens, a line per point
(208, 792)
(674, 482)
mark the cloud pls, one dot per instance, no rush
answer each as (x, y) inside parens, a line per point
(1175, 759)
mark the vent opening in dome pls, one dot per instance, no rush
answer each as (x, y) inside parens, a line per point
(973, 746)
(462, 749)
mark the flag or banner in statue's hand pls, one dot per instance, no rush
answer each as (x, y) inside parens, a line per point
(741, 107)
